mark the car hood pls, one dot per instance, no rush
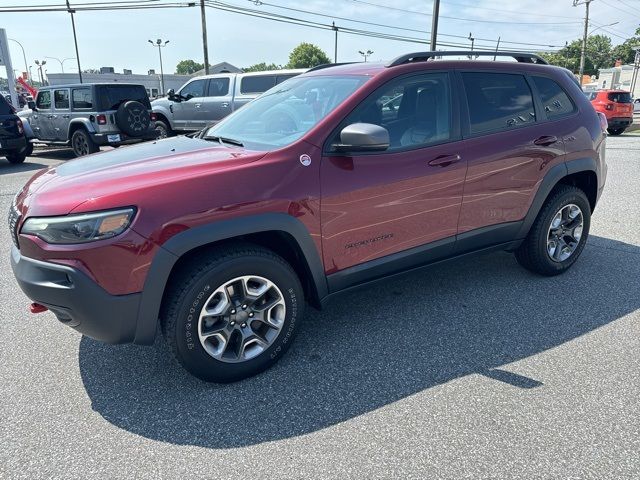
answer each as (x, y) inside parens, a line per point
(119, 173)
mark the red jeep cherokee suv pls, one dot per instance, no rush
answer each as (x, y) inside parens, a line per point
(335, 178)
(617, 106)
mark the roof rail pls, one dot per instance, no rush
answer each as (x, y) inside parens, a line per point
(327, 65)
(425, 56)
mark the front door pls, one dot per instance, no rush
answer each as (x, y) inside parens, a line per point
(41, 119)
(185, 111)
(381, 203)
(61, 114)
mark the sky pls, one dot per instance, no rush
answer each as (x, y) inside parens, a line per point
(119, 39)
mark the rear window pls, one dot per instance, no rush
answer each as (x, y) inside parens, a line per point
(498, 101)
(112, 96)
(5, 107)
(619, 97)
(257, 84)
(555, 101)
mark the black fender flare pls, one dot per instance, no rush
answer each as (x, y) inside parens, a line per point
(184, 242)
(550, 180)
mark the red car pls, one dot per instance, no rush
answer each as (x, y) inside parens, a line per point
(333, 179)
(616, 105)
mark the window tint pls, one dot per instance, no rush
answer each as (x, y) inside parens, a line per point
(416, 111)
(555, 101)
(61, 99)
(112, 96)
(619, 97)
(82, 98)
(498, 101)
(218, 87)
(44, 100)
(194, 89)
(257, 84)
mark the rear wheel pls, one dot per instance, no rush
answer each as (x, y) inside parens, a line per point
(615, 131)
(559, 233)
(233, 313)
(82, 143)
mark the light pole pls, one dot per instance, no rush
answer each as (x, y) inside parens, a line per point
(24, 57)
(335, 44)
(366, 54)
(159, 43)
(40, 64)
(61, 61)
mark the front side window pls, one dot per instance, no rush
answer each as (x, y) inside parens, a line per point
(44, 100)
(498, 102)
(194, 89)
(82, 98)
(285, 113)
(555, 101)
(257, 84)
(416, 111)
(61, 99)
(218, 87)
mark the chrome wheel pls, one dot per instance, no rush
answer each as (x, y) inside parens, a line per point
(565, 232)
(241, 319)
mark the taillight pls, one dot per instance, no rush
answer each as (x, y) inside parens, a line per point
(20, 126)
(609, 106)
(154, 117)
(101, 119)
(604, 124)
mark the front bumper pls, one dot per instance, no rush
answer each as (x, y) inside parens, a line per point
(76, 300)
(103, 138)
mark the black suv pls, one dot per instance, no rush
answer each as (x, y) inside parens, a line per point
(13, 144)
(86, 116)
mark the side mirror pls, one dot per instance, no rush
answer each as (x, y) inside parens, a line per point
(171, 94)
(32, 105)
(363, 137)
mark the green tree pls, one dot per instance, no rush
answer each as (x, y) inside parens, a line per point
(262, 66)
(626, 51)
(599, 54)
(307, 55)
(187, 67)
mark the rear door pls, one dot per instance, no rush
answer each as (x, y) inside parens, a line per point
(510, 145)
(217, 103)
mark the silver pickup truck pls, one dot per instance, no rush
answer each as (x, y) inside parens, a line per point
(208, 99)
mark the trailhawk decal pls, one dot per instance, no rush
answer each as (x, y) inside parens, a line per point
(368, 241)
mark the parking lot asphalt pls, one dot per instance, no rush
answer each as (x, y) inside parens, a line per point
(472, 369)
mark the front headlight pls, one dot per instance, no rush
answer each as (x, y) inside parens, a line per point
(81, 228)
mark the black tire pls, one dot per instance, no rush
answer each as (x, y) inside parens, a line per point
(82, 143)
(533, 254)
(616, 131)
(16, 157)
(133, 118)
(28, 151)
(190, 291)
(163, 129)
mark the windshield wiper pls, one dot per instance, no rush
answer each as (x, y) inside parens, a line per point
(223, 140)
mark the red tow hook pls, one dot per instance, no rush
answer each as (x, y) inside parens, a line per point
(37, 308)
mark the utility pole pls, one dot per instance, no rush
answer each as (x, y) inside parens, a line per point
(205, 47)
(335, 43)
(75, 38)
(434, 24)
(472, 39)
(497, 47)
(584, 39)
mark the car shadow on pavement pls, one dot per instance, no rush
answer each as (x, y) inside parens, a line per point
(370, 348)
(29, 164)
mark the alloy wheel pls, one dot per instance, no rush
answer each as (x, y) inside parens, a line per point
(565, 232)
(241, 319)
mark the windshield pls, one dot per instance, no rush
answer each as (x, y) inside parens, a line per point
(284, 113)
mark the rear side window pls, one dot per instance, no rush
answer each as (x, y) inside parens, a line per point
(218, 87)
(555, 101)
(257, 83)
(5, 108)
(112, 96)
(619, 97)
(44, 100)
(61, 99)
(82, 98)
(498, 101)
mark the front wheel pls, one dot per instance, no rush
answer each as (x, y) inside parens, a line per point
(233, 313)
(559, 233)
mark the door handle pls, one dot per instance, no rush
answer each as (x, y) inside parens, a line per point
(445, 160)
(65, 116)
(224, 104)
(545, 140)
(198, 105)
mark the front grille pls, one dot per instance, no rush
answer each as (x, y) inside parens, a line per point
(14, 219)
